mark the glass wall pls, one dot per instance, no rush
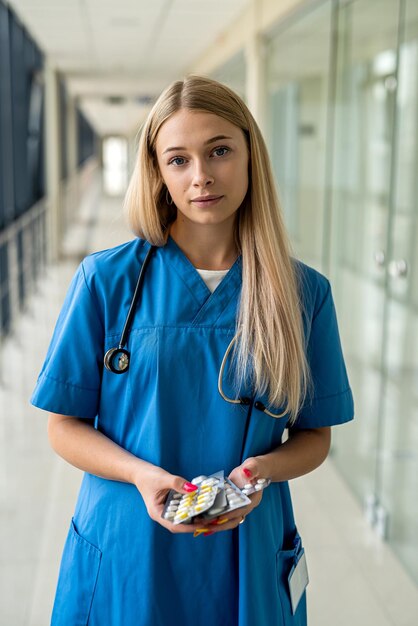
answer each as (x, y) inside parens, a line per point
(22, 185)
(297, 94)
(361, 183)
(375, 228)
(23, 207)
(343, 129)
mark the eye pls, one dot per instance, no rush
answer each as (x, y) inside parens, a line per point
(222, 148)
(172, 162)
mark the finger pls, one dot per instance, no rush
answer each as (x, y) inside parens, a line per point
(247, 472)
(250, 474)
(230, 525)
(181, 485)
(230, 521)
(251, 469)
(184, 528)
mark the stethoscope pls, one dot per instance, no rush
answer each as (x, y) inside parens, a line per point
(117, 359)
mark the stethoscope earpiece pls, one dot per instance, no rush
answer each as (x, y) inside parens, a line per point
(117, 360)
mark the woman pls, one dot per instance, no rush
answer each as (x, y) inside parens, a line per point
(203, 193)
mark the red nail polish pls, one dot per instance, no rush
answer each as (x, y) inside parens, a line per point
(247, 472)
(189, 487)
(210, 532)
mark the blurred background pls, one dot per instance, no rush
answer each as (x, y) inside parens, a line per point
(333, 85)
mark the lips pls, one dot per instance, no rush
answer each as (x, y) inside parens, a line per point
(205, 198)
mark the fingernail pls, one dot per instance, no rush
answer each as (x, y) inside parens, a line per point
(211, 532)
(189, 487)
(218, 522)
(247, 472)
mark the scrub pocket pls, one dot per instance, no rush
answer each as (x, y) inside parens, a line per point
(79, 570)
(285, 559)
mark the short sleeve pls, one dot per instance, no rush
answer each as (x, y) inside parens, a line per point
(330, 401)
(70, 378)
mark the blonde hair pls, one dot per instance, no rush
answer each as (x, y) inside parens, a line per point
(269, 322)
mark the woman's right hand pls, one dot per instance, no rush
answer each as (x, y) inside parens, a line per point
(154, 484)
(90, 450)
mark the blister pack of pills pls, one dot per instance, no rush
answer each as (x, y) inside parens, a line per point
(260, 484)
(215, 495)
(232, 498)
(180, 508)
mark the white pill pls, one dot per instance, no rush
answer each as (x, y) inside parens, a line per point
(169, 515)
(261, 481)
(248, 486)
(198, 479)
(209, 481)
(246, 491)
(258, 487)
(177, 496)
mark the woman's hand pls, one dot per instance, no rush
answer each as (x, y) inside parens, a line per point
(249, 471)
(252, 469)
(154, 484)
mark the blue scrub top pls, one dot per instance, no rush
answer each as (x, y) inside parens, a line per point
(119, 567)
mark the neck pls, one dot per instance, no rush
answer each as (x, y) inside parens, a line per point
(207, 246)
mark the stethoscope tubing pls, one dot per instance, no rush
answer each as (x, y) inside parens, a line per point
(135, 299)
(122, 356)
(117, 359)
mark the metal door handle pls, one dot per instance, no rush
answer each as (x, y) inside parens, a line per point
(380, 258)
(398, 268)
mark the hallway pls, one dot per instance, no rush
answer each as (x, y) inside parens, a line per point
(355, 579)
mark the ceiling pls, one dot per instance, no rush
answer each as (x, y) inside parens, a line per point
(131, 48)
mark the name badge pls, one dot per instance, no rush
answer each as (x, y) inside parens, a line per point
(298, 579)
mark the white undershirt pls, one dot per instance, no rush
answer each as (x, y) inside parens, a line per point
(212, 278)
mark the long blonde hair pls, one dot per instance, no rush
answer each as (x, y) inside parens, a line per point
(269, 322)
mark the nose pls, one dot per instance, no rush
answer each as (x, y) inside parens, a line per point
(202, 175)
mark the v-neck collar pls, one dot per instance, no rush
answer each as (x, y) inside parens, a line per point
(211, 304)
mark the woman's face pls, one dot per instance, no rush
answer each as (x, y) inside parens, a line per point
(202, 154)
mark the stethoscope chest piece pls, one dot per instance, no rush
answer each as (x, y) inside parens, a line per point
(117, 360)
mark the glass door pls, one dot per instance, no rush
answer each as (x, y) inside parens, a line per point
(298, 59)
(397, 467)
(365, 105)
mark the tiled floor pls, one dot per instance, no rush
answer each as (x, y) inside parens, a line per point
(355, 579)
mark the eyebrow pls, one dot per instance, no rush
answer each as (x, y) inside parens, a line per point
(211, 140)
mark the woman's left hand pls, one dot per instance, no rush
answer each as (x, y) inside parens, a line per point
(248, 472)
